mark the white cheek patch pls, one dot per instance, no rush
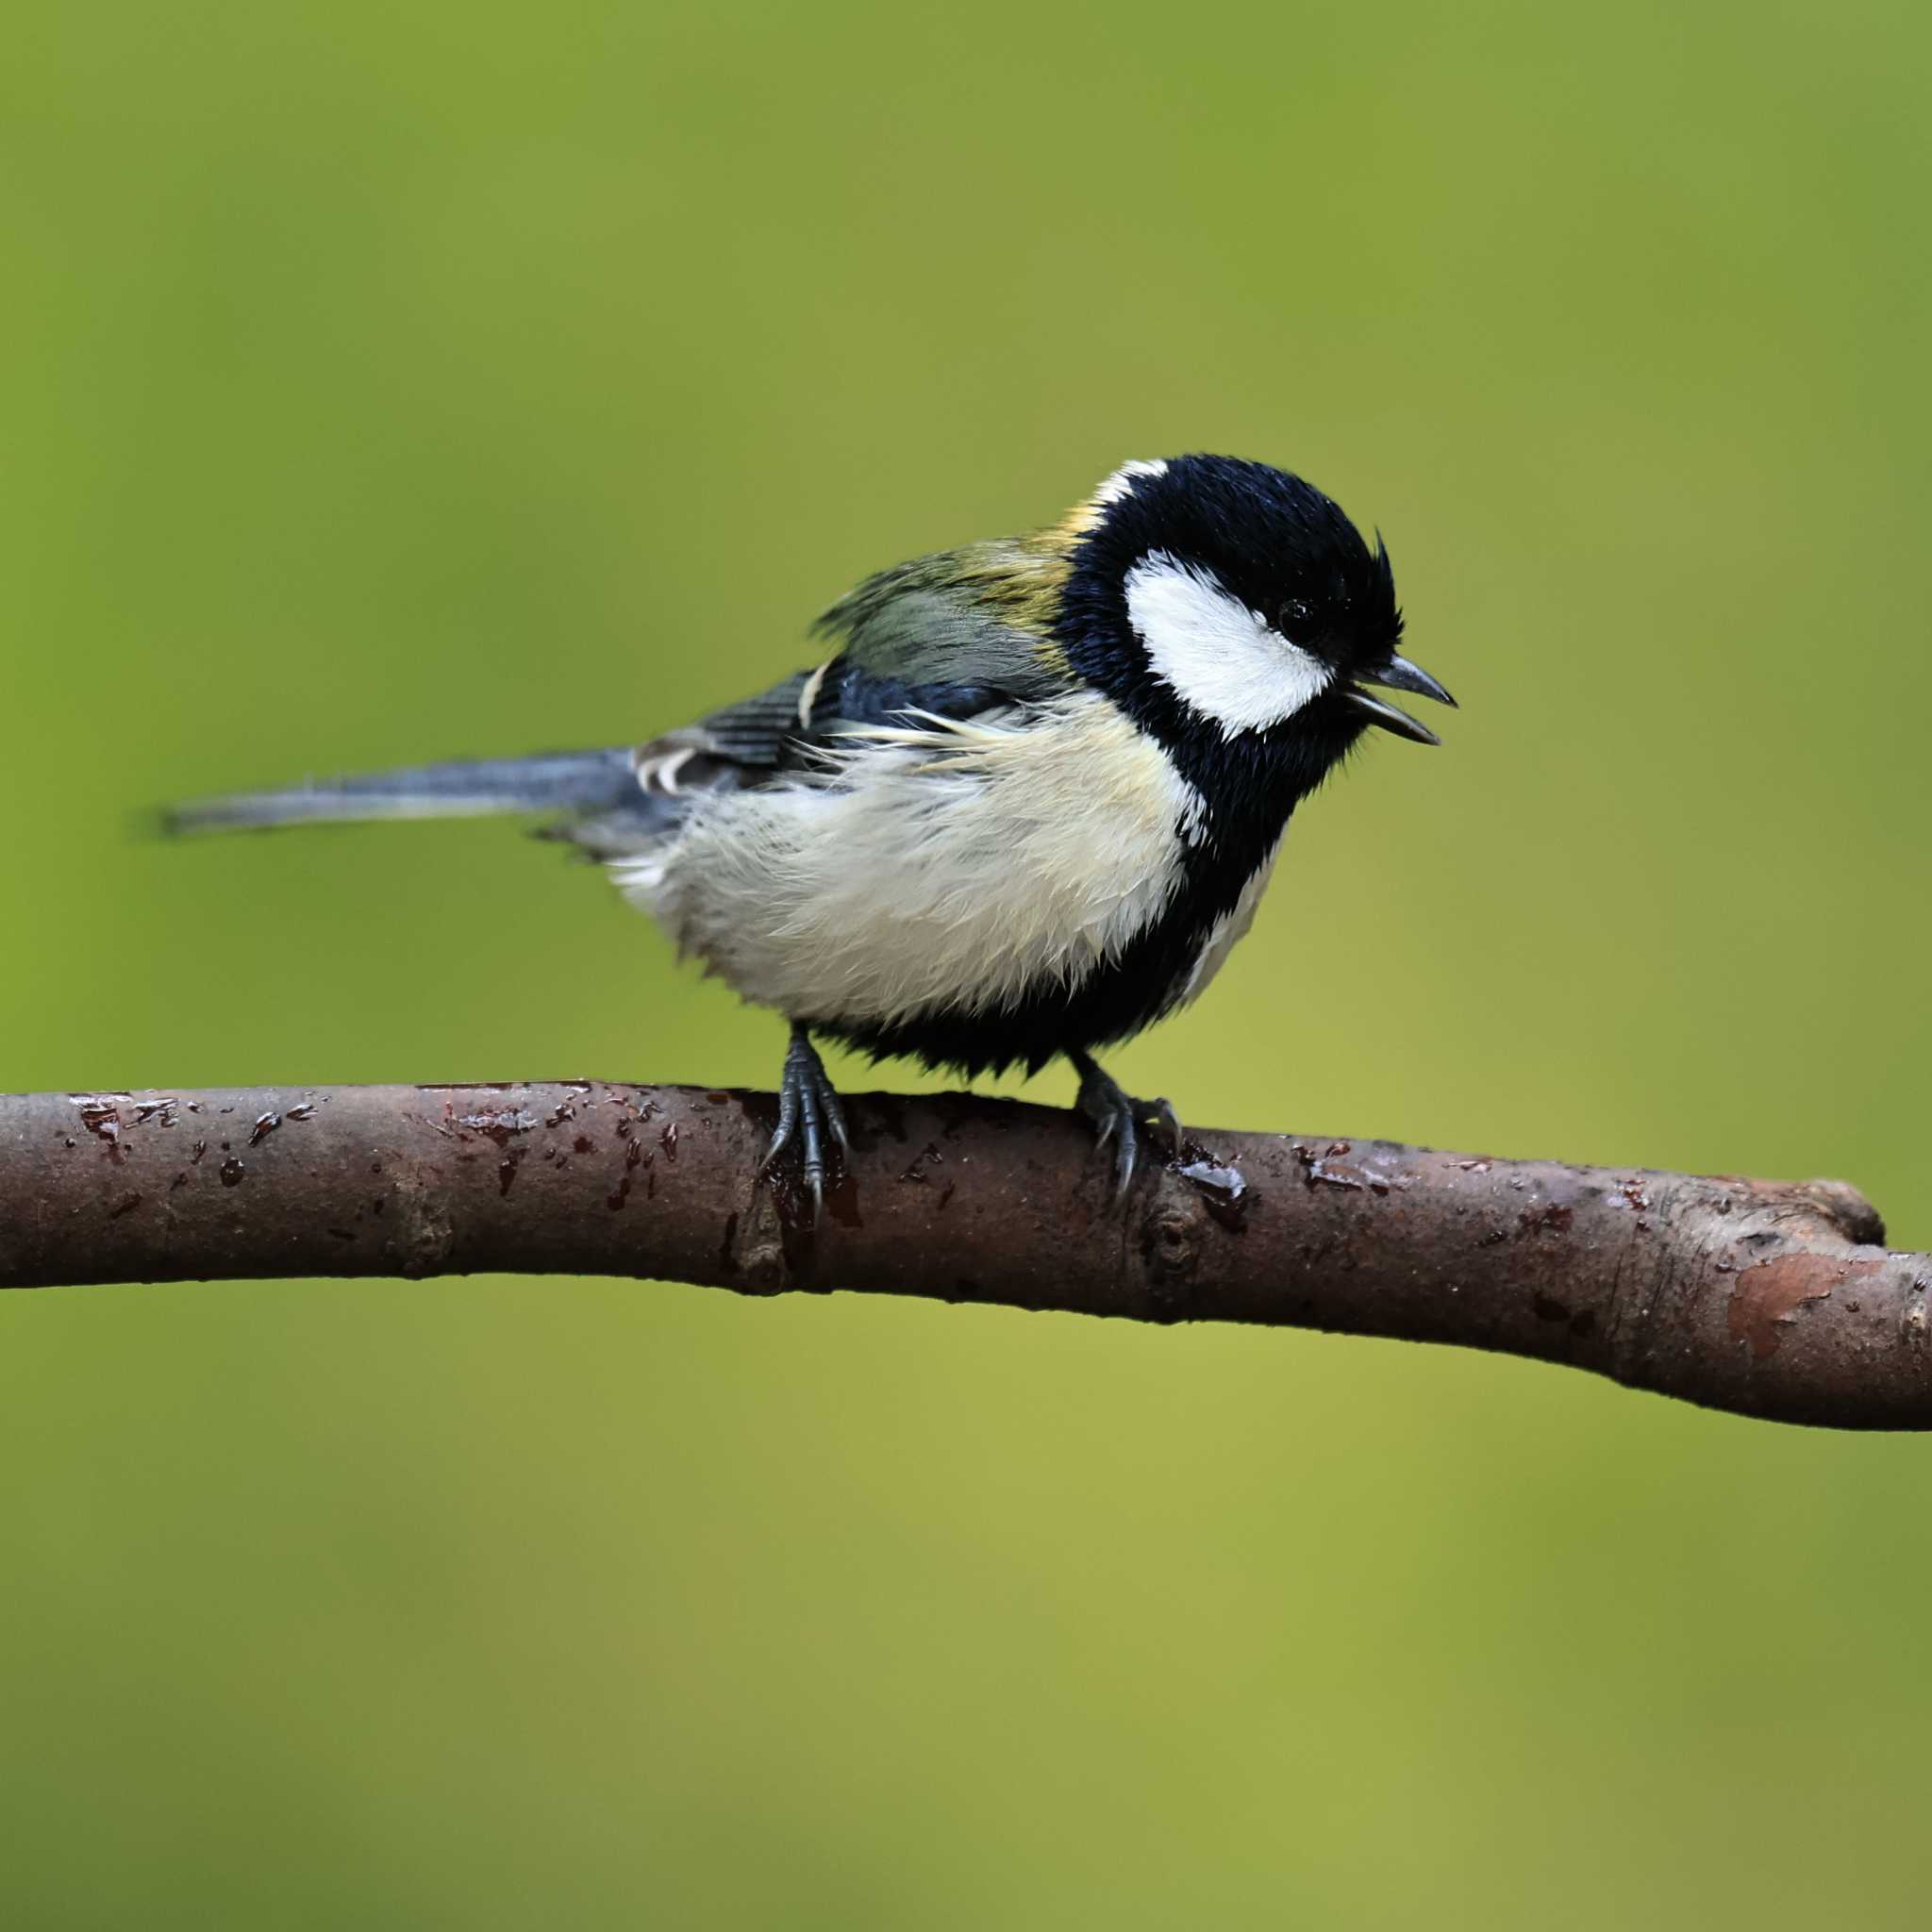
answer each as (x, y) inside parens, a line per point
(1221, 659)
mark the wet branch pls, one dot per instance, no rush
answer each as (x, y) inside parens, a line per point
(1770, 1299)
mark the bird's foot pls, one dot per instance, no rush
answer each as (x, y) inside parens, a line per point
(1117, 1116)
(808, 1110)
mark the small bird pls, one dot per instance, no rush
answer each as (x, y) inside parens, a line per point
(1023, 807)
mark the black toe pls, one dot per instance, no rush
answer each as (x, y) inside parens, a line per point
(1117, 1116)
(808, 1110)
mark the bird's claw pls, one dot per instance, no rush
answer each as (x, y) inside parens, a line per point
(809, 1109)
(1118, 1117)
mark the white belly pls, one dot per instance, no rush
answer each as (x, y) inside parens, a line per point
(954, 865)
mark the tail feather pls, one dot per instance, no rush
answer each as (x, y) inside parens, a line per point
(576, 782)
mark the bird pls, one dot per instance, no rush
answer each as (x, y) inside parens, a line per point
(1022, 807)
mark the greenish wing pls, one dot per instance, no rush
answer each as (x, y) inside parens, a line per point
(975, 617)
(957, 634)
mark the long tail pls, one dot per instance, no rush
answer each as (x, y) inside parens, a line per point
(584, 782)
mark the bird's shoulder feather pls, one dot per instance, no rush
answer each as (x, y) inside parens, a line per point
(953, 635)
(980, 615)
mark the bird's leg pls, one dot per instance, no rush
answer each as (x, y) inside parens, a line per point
(809, 1108)
(1118, 1117)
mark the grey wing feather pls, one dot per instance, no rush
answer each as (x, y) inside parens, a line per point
(757, 730)
(742, 744)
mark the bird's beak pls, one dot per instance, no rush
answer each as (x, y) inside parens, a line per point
(1398, 674)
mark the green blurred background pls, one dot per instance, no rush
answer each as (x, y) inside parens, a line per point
(382, 383)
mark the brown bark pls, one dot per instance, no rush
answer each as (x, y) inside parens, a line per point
(1767, 1298)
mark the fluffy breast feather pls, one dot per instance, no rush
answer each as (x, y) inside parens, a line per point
(958, 865)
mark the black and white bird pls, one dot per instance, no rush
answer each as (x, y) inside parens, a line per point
(1023, 805)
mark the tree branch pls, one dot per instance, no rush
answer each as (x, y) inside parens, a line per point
(1766, 1298)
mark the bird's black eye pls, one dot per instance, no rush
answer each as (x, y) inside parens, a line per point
(1295, 614)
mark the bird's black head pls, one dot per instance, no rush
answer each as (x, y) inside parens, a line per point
(1235, 612)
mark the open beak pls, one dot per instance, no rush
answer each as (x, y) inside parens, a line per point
(1398, 674)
